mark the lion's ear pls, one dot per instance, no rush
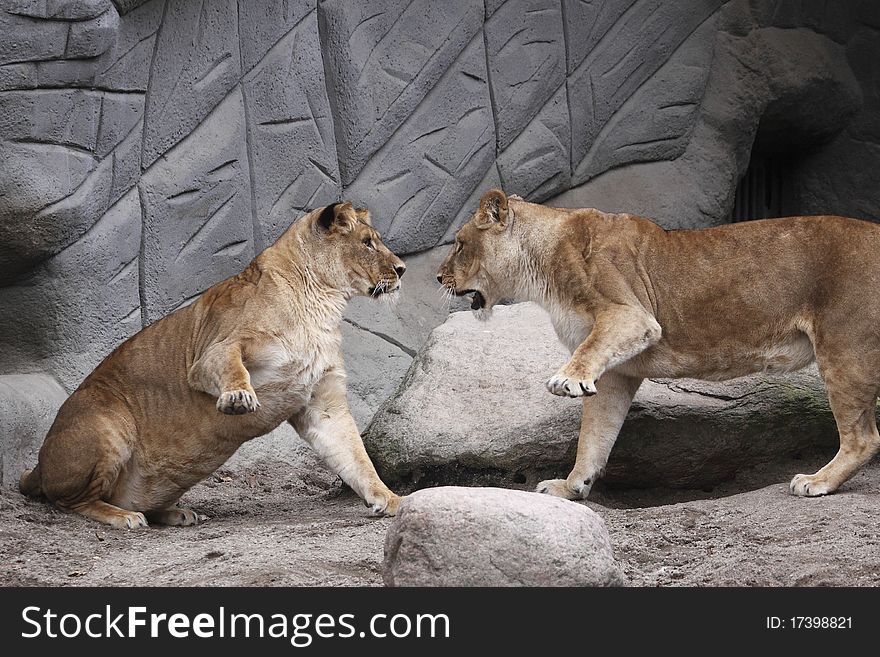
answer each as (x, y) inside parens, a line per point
(364, 215)
(493, 209)
(338, 217)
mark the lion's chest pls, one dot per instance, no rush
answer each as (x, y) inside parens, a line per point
(571, 328)
(284, 371)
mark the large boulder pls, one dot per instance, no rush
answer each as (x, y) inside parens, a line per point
(473, 409)
(492, 537)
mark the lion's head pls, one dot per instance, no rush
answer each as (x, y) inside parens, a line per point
(352, 255)
(481, 260)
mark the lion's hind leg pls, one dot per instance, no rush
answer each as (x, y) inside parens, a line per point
(29, 483)
(174, 516)
(853, 400)
(81, 462)
(90, 500)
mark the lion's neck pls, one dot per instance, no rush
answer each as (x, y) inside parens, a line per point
(530, 270)
(317, 298)
(322, 301)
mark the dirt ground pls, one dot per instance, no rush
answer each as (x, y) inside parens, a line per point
(269, 525)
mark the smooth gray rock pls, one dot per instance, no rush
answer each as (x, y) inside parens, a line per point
(473, 409)
(28, 404)
(492, 537)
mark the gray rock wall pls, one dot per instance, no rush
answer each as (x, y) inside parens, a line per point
(149, 148)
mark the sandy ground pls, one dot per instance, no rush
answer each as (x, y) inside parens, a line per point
(271, 525)
(765, 537)
(265, 527)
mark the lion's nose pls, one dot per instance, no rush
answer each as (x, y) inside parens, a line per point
(439, 278)
(400, 269)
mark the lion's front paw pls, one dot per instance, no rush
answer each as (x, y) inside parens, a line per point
(569, 386)
(560, 488)
(128, 520)
(809, 486)
(384, 505)
(238, 402)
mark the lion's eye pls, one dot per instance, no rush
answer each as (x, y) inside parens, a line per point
(458, 247)
(368, 242)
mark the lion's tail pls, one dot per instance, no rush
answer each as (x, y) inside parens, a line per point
(31, 482)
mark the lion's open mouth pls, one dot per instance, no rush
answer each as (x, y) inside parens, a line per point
(477, 302)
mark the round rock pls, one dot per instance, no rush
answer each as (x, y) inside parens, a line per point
(455, 536)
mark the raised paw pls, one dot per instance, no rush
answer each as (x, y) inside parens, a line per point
(237, 402)
(809, 486)
(560, 488)
(565, 386)
(129, 520)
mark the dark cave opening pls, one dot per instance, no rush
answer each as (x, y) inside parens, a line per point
(762, 192)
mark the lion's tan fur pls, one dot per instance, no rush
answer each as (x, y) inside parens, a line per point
(173, 402)
(632, 300)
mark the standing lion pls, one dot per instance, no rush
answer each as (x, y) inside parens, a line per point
(631, 300)
(176, 400)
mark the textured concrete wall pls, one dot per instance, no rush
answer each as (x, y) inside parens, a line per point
(150, 148)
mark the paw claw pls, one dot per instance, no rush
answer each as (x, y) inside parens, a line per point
(808, 486)
(566, 386)
(384, 506)
(560, 488)
(237, 402)
(131, 520)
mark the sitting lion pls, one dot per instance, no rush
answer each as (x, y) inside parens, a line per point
(631, 300)
(173, 402)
